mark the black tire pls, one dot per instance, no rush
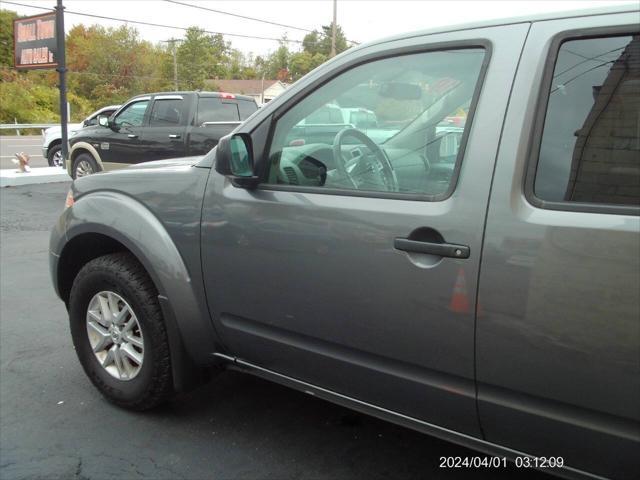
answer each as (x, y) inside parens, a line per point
(84, 164)
(54, 156)
(122, 273)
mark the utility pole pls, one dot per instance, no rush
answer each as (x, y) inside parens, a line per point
(333, 28)
(172, 42)
(62, 71)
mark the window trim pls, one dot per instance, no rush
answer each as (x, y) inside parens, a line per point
(262, 165)
(542, 104)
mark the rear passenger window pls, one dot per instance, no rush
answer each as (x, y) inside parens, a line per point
(590, 149)
(246, 107)
(213, 109)
(167, 112)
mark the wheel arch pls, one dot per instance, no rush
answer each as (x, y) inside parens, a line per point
(106, 222)
(79, 148)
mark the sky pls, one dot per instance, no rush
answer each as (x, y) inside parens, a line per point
(361, 20)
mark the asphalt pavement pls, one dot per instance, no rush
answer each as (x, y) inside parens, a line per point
(29, 144)
(55, 425)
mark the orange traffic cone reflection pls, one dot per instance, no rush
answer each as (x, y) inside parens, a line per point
(459, 298)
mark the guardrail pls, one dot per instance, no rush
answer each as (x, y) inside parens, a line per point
(26, 126)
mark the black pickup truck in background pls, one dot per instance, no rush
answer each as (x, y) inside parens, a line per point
(157, 126)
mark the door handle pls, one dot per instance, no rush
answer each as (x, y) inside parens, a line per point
(173, 135)
(432, 248)
(131, 135)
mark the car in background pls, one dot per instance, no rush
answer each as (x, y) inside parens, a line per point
(52, 136)
(328, 120)
(157, 126)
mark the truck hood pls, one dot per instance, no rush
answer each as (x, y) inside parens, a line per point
(71, 127)
(170, 162)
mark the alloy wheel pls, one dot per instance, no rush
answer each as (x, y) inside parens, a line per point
(83, 168)
(115, 335)
(57, 159)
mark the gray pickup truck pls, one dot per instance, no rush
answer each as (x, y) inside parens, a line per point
(489, 295)
(156, 126)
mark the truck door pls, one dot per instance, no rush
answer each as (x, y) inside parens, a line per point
(165, 136)
(121, 143)
(558, 336)
(335, 270)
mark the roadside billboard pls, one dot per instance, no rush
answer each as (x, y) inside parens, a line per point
(34, 42)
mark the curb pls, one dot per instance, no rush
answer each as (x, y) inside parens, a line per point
(12, 178)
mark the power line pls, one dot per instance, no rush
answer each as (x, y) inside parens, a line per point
(239, 16)
(564, 84)
(586, 59)
(139, 22)
(249, 18)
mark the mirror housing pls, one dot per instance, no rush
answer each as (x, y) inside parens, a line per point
(103, 121)
(234, 160)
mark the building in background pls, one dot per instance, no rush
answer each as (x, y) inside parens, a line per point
(262, 91)
(605, 166)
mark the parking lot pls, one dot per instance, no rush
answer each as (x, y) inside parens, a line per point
(54, 423)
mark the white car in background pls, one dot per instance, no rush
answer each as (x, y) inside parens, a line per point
(52, 136)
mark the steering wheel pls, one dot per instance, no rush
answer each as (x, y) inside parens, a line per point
(388, 176)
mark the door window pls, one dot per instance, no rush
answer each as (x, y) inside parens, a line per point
(384, 126)
(167, 112)
(590, 148)
(132, 115)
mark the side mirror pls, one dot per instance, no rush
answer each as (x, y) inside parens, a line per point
(103, 121)
(86, 123)
(234, 159)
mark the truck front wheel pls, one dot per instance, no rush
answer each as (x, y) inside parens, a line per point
(119, 333)
(83, 165)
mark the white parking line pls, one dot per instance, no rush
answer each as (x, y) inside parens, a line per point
(13, 156)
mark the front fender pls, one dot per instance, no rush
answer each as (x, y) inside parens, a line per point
(181, 294)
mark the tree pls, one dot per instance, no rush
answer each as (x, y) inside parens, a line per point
(239, 66)
(316, 42)
(290, 66)
(108, 65)
(303, 62)
(200, 57)
(6, 37)
(278, 63)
